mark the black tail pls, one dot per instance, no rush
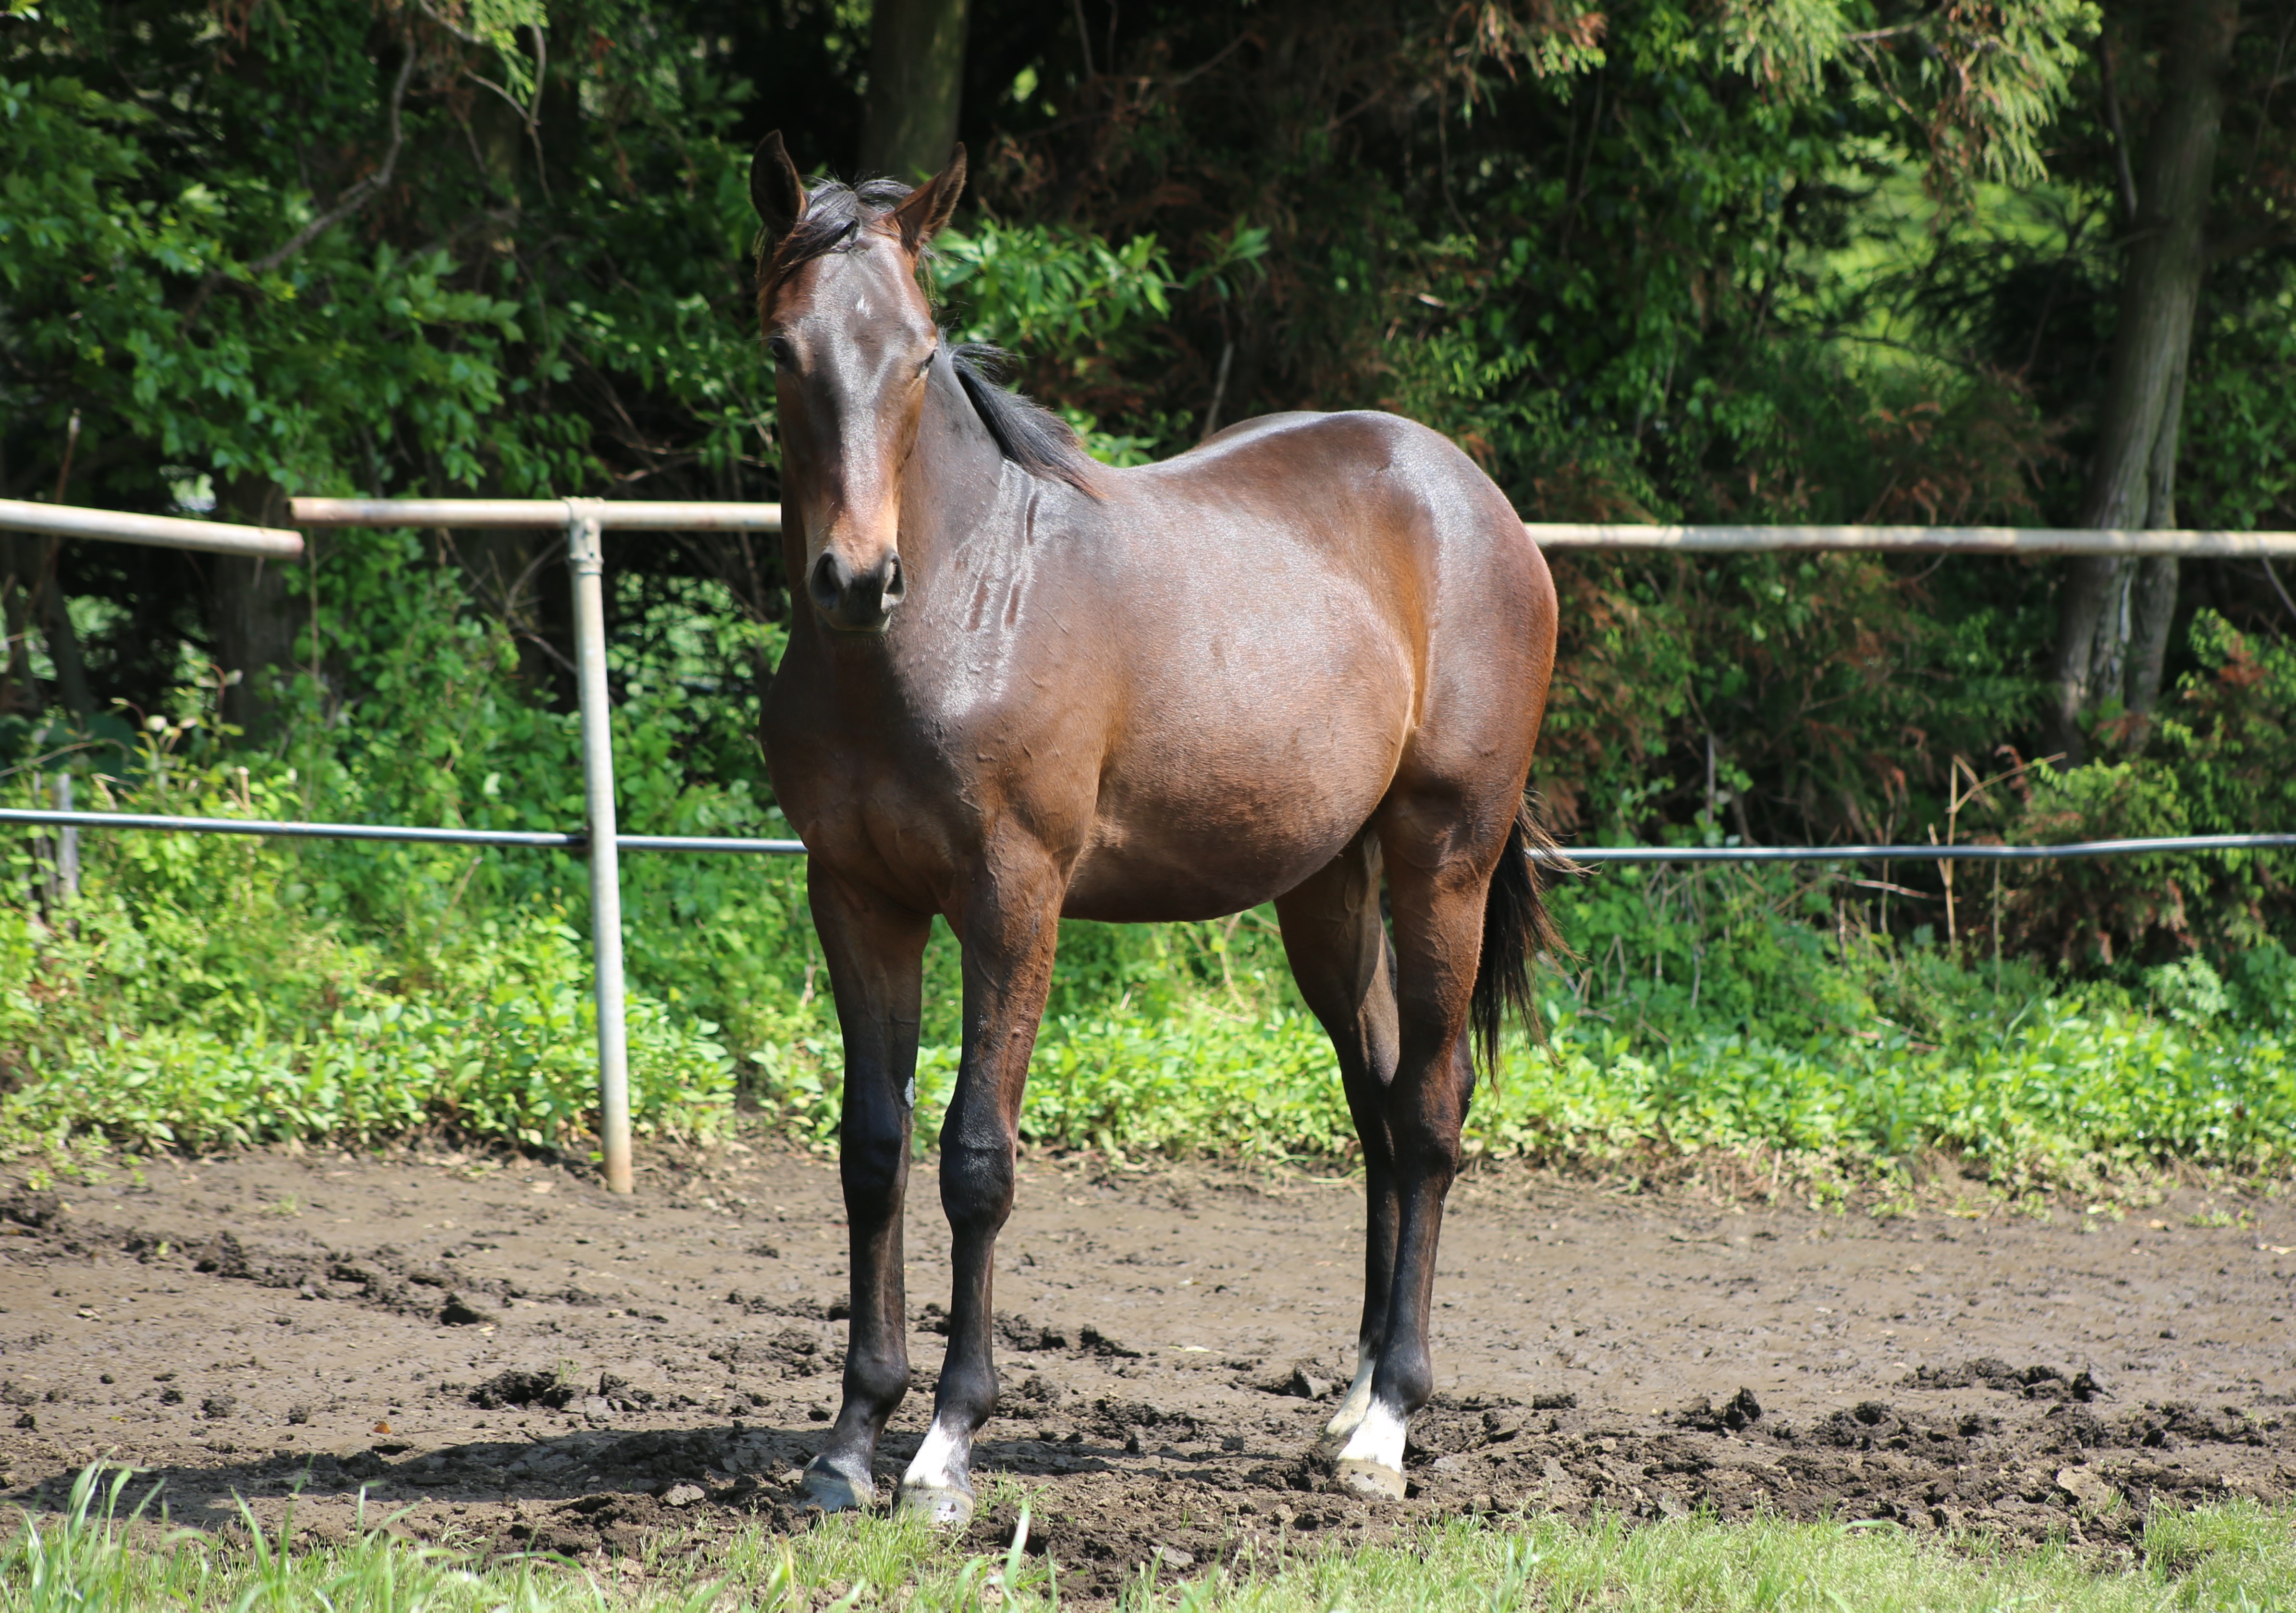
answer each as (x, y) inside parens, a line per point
(1516, 928)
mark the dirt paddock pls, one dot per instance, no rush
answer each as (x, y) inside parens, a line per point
(511, 1359)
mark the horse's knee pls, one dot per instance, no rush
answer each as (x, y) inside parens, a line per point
(873, 1159)
(976, 1185)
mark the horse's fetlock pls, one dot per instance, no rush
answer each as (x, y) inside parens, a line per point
(1407, 1378)
(877, 1381)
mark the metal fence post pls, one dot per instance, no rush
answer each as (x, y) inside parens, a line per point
(67, 844)
(587, 560)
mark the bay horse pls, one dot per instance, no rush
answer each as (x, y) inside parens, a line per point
(1021, 685)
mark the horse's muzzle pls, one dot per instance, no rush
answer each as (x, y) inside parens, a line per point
(855, 602)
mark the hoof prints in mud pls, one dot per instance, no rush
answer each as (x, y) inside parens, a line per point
(384, 1278)
(2066, 1468)
(1159, 1409)
(1992, 1373)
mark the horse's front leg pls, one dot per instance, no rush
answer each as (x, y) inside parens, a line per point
(876, 952)
(1009, 935)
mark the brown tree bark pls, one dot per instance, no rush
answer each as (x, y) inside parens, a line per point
(2152, 586)
(17, 690)
(519, 576)
(253, 608)
(56, 631)
(916, 77)
(2106, 637)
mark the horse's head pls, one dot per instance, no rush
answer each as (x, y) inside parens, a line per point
(852, 337)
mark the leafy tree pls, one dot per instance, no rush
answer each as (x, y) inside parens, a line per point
(1816, 259)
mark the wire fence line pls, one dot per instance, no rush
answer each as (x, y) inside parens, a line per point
(553, 840)
(540, 840)
(1562, 536)
(1964, 852)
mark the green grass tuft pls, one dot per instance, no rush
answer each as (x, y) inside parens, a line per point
(103, 1552)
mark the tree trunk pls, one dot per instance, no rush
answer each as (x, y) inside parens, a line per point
(2153, 590)
(17, 692)
(64, 643)
(519, 576)
(2099, 623)
(916, 77)
(254, 607)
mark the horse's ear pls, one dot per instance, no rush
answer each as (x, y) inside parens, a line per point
(776, 191)
(927, 207)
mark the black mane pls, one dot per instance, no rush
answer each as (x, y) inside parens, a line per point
(1028, 434)
(1031, 436)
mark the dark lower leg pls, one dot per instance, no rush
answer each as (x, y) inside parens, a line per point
(874, 955)
(1382, 1214)
(1427, 1130)
(1424, 1118)
(1008, 967)
(1338, 954)
(876, 1351)
(976, 1191)
(1439, 910)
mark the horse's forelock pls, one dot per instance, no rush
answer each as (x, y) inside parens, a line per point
(835, 215)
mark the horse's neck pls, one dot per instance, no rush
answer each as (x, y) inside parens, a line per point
(952, 482)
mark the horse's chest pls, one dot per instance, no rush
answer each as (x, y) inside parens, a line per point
(937, 770)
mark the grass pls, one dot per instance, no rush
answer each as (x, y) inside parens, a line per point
(2075, 1094)
(102, 1554)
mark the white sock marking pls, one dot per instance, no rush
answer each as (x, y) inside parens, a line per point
(1378, 1438)
(1357, 1402)
(937, 1458)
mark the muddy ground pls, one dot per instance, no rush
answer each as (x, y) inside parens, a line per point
(520, 1362)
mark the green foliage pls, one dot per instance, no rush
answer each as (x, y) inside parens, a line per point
(166, 278)
(1101, 307)
(2221, 760)
(259, 384)
(193, 998)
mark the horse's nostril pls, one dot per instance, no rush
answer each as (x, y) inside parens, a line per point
(855, 600)
(823, 583)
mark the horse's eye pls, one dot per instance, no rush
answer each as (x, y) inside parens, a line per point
(782, 353)
(925, 363)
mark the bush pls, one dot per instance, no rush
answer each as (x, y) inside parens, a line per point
(189, 1000)
(2222, 760)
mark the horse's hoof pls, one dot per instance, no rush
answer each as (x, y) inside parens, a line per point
(827, 1490)
(943, 1506)
(1370, 1478)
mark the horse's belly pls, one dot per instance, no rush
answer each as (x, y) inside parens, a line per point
(1239, 815)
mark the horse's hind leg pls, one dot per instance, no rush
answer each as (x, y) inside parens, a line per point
(1339, 953)
(1437, 878)
(875, 952)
